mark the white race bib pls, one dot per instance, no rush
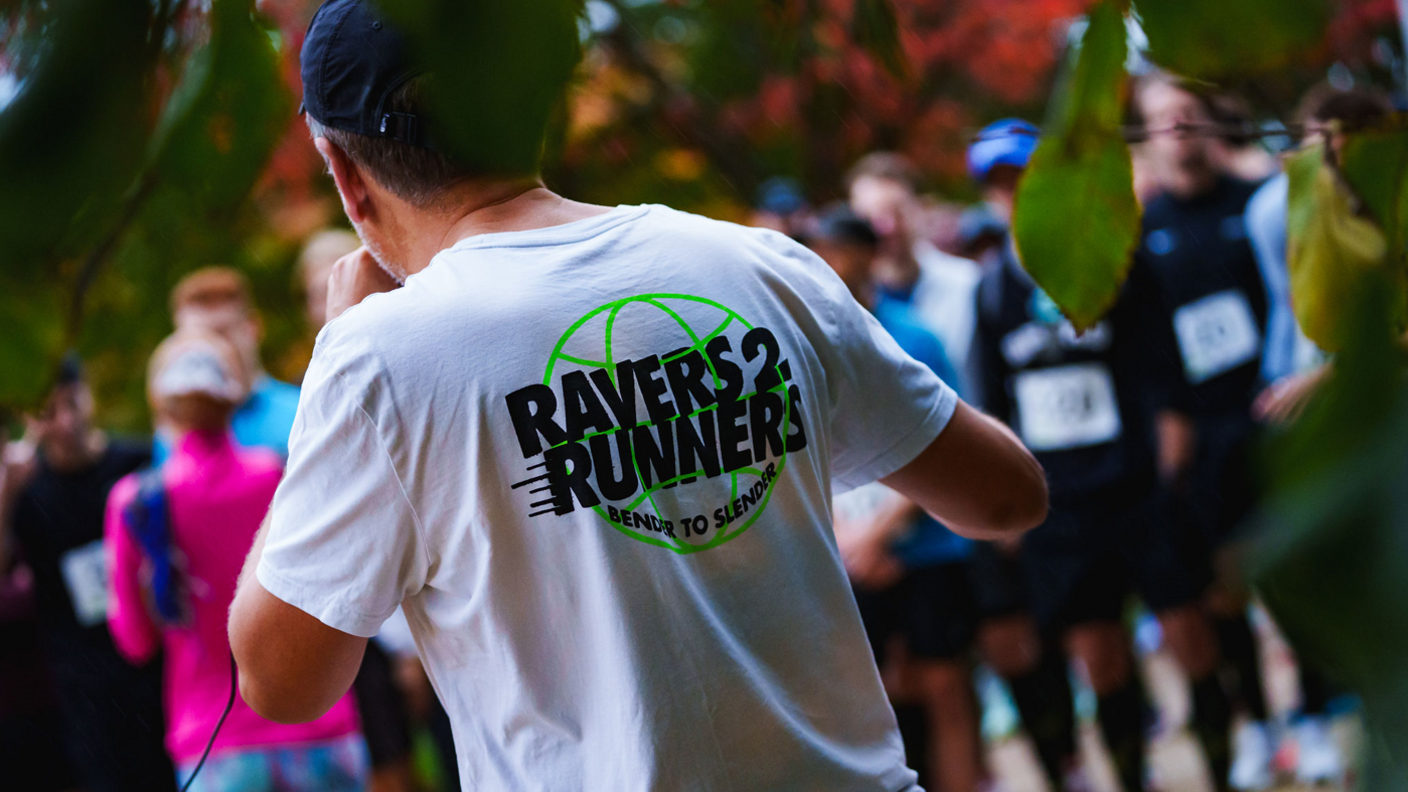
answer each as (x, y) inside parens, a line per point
(85, 571)
(1216, 334)
(1067, 407)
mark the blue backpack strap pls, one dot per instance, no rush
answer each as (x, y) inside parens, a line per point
(149, 521)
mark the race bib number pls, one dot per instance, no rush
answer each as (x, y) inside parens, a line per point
(1216, 334)
(1067, 407)
(85, 571)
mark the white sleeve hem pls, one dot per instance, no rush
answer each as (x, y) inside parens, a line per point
(326, 607)
(905, 448)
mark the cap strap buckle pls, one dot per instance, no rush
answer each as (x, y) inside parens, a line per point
(404, 127)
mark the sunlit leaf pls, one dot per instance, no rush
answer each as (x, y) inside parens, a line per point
(1209, 39)
(1076, 220)
(1330, 249)
(1375, 163)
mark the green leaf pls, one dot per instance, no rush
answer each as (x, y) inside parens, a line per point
(225, 117)
(875, 28)
(1375, 163)
(493, 125)
(1076, 220)
(1211, 39)
(1330, 249)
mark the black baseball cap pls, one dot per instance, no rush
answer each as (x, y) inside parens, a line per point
(352, 61)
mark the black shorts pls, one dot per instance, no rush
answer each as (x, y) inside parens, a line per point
(1221, 490)
(385, 721)
(1093, 551)
(931, 607)
(999, 581)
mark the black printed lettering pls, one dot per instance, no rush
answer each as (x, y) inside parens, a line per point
(686, 375)
(731, 435)
(531, 410)
(727, 370)
(651, 389)
(582, 410)
(614, 487)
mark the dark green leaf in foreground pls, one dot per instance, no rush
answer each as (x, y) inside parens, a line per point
(71, 143)
(74, 137)
(1210, 39)
(1076, 220)
(1331, 556)
(492, 117)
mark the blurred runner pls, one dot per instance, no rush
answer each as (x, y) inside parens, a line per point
(32, 740)
(176, 536)
(883, 189)
(780, 205)
(909, 572)
(112, 711)
(218, 299)
(1083, 404)
(1210, 295)
(1035, 670)
(322, 251)
(681, 621)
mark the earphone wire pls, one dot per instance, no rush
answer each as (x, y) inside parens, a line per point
(229, 705)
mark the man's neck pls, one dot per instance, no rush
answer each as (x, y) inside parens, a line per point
(490, 207)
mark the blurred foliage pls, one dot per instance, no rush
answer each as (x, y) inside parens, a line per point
(1331, 558)
(1213, 39)
(148, 137)
(1080, 184)
(484, 122)
(96, 151)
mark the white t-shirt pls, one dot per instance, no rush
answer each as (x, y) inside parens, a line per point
(458, 450)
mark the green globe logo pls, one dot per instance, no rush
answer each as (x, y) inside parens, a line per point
(688, 512)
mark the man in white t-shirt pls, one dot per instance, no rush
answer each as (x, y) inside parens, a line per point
(590, 452)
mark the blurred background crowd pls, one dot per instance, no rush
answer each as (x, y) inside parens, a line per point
(1117, 647)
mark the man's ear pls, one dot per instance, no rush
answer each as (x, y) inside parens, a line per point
(351, 184)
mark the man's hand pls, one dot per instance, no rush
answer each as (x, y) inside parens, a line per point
(354, 277)
(1283, 401)
(869, 562)
(864, 539)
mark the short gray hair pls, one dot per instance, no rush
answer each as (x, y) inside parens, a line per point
(417, 175)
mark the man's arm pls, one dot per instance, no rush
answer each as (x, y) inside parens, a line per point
(292, 667)
(976, 478)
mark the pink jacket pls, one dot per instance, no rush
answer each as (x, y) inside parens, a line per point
(217, 495)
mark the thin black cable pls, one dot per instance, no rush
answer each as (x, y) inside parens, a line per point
(229, 705)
